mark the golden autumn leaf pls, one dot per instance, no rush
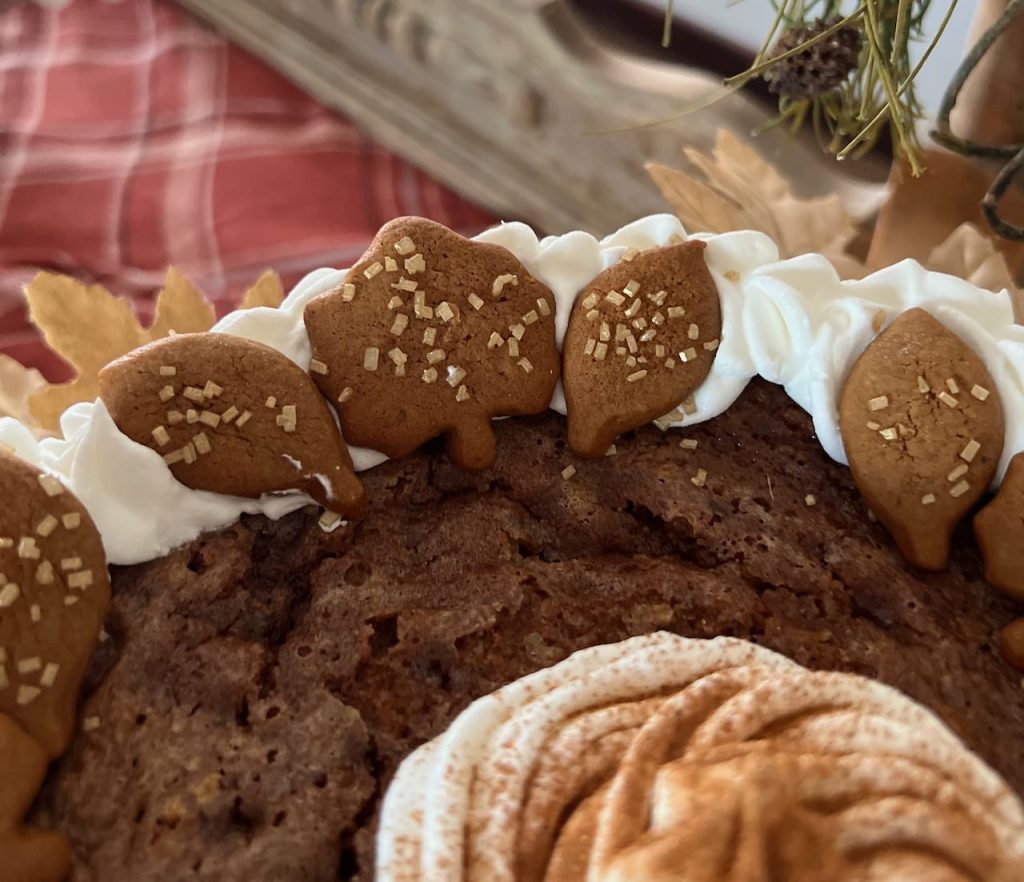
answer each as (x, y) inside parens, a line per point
(734, 188)
(89, 328)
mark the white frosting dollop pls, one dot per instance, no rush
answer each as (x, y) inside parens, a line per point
(793, 321)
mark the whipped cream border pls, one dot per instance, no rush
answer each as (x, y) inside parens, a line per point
(794, 322)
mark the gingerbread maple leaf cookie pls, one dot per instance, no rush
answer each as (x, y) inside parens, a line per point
(642, 337)
(27, 854)
(922, 427)
(54, 594)
(433, 334)
(232, 416)
(999, 529)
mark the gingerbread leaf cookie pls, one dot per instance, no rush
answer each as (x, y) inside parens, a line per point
(232, 416)
(433, 334)
(922, 427)
(27, 854)
(642, 337)
(999, 529)
(54, 595)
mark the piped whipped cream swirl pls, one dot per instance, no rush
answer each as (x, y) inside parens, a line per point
(793, 322)
(664, 758)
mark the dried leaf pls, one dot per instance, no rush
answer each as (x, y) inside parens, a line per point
(267, 291)
(734, 188)
(17, 383)
(89, 327)
(971, 255)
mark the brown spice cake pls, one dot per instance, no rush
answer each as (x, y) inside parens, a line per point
(262, 684)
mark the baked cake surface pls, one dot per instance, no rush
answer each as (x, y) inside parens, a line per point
(262, 684)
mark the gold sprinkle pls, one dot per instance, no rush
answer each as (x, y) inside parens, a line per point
(345, 395)
(317, 367)
(810, 500)
(593, 315)
(403, 284)
(189, 451)
(688, 443)
(211, 389)
(399, 325)
(9, 595)
(51, 485)
(430, 375)
(600, 350)
(513, 347)
(329, 520)
(688, 355)
(970, 450)
(44, 573)
(531, 317)
(611, 451)
(444, 311)
(495, 341)
(415, 264)
(670, 363)
(639, 323)
(711, 345)
(191, 416)
(568, 472)
(889, 434)
(676, 312)
(81, 580)
(958, 471)
(636, 376)
(590, 301)
(271, 402)
(475, 300)
(348, 292)
(430, 335)
(175, 417)
(878, 320)
(46, 526)
(168, 370)
(455, 375)
(604, 332)
(631, 361)
(175, 456)
(633, 309)
(648, 335)
(395, 302)
(397, 356)
(209, 418)
(693, 332)
(30, 665)
(202, 443)
(70, 563)
(194, 393)
(542, 307)
(244, 418)
(229, 414)
(979, 392)
(689, 406)
(873, 426)
(631, 342)
(501, 281)
(405, 246)
(630, 254)
(27, 694)
(922, 385)
(371, 358)
(436, 356)
(946, 399)
(588, 347)
(952, 386)
(659, 351)
(615, 298)
(524, 363)
(390, 264)
(90, 724)
(631, 289)
(462, 394)
(700, 478)
(928, 499)
(657, 319)
(373, 270)
(167, 393)
(732, 275)
(959, 489)
(517, 331)
(880, 402)
(49, 675)
(658, 298)
(27, 548)
(35, 613)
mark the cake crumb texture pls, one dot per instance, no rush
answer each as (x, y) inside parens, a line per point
(262, 684)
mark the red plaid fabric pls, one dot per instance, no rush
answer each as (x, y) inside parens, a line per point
(133, 137)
